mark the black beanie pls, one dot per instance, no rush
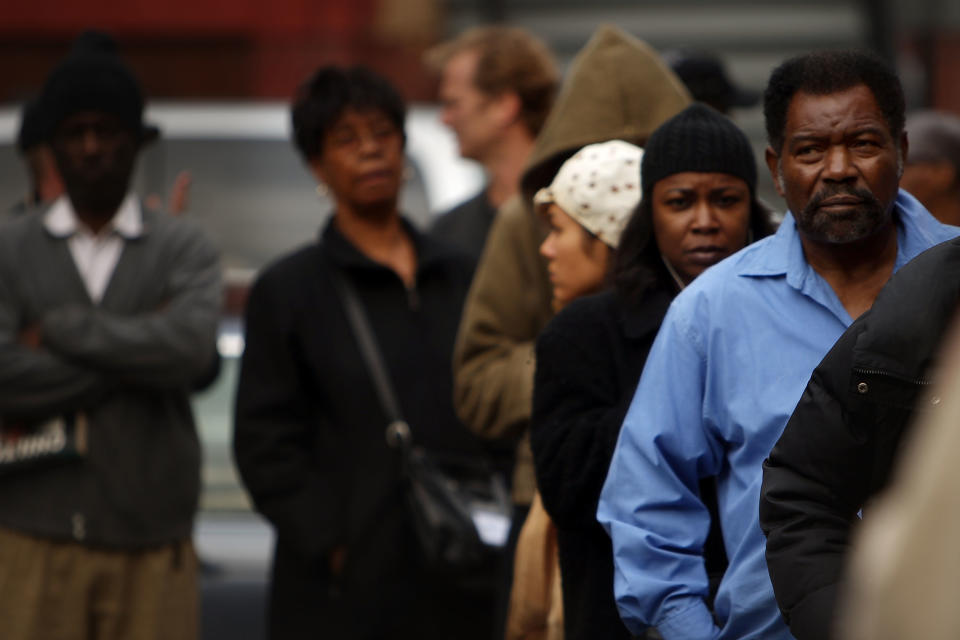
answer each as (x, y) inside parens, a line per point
(698, 139)
(92, 81)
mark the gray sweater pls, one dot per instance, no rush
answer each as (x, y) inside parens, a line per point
(126, 363)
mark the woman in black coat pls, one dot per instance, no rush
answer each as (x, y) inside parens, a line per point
(698, 206)
(310, 432)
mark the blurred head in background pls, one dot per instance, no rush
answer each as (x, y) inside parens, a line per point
(33, 136)
(92, 118)
(493, 80)
(586, 207)
(497, 85)
(348, 126)
(932, 173)
(706, 79)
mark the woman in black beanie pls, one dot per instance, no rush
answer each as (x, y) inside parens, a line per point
(698, 206)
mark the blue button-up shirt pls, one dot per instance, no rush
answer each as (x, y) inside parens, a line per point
(727, 368)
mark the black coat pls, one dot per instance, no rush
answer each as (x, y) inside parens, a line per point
(589, 360)
(839, 446)
(310, 439)
(466, 226)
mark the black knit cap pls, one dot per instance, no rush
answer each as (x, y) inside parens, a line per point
(92, 80)
(698, 139)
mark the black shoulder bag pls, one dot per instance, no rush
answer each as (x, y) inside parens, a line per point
(458, 506)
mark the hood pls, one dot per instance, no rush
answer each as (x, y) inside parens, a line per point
(617, 87)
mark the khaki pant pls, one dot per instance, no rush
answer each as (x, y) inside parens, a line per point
(66, 591)
(536, 599)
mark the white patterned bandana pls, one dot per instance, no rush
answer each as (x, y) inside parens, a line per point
(599, 187)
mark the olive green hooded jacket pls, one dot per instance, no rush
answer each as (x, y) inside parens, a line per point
(617, 88)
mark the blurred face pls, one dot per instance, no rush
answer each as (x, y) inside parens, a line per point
(471, 114)
(839, 167)
(931, 183)
(95, 153)
(362, 162)
(699, 219)
(576, 261)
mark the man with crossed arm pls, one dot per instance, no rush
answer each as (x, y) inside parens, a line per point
(108, 315)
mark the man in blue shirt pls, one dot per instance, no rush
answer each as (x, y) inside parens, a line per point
(737, 347)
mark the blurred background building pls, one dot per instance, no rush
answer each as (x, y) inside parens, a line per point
(246, 49)
(252, 50)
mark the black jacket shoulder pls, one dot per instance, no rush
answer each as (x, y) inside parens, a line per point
(840, 444)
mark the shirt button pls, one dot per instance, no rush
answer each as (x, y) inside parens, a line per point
(935, 400)
(862, 387)
(79, 526)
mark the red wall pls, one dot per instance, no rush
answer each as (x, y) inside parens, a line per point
(200, 17)
(213, 48)
(945, 76)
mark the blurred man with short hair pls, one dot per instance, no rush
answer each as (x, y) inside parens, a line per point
(497, 85)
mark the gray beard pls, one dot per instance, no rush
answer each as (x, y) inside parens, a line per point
(869, 217)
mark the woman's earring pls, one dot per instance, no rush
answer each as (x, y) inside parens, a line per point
(323, 191)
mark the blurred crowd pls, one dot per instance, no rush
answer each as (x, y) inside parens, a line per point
(696, 403)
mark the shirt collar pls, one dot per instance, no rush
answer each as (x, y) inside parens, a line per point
(782, 254)
(61, 219)
(917, 230)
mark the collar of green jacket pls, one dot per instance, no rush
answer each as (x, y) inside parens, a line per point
(617, 87)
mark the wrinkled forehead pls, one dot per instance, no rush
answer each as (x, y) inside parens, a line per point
(840, 112)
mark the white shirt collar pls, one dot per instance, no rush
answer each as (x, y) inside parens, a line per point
(61, 219)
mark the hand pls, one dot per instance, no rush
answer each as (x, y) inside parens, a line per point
(180, 193)
(179, 196)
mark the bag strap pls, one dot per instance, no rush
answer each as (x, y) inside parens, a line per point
(398, 431)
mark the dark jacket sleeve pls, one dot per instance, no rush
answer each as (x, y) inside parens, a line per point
(37, 383)
(276, 429)
(578, 408)
(814, 483)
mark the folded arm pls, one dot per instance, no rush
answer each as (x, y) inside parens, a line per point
(34, 382)
(172, 346)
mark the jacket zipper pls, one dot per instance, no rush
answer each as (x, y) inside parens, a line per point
(877, 372)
